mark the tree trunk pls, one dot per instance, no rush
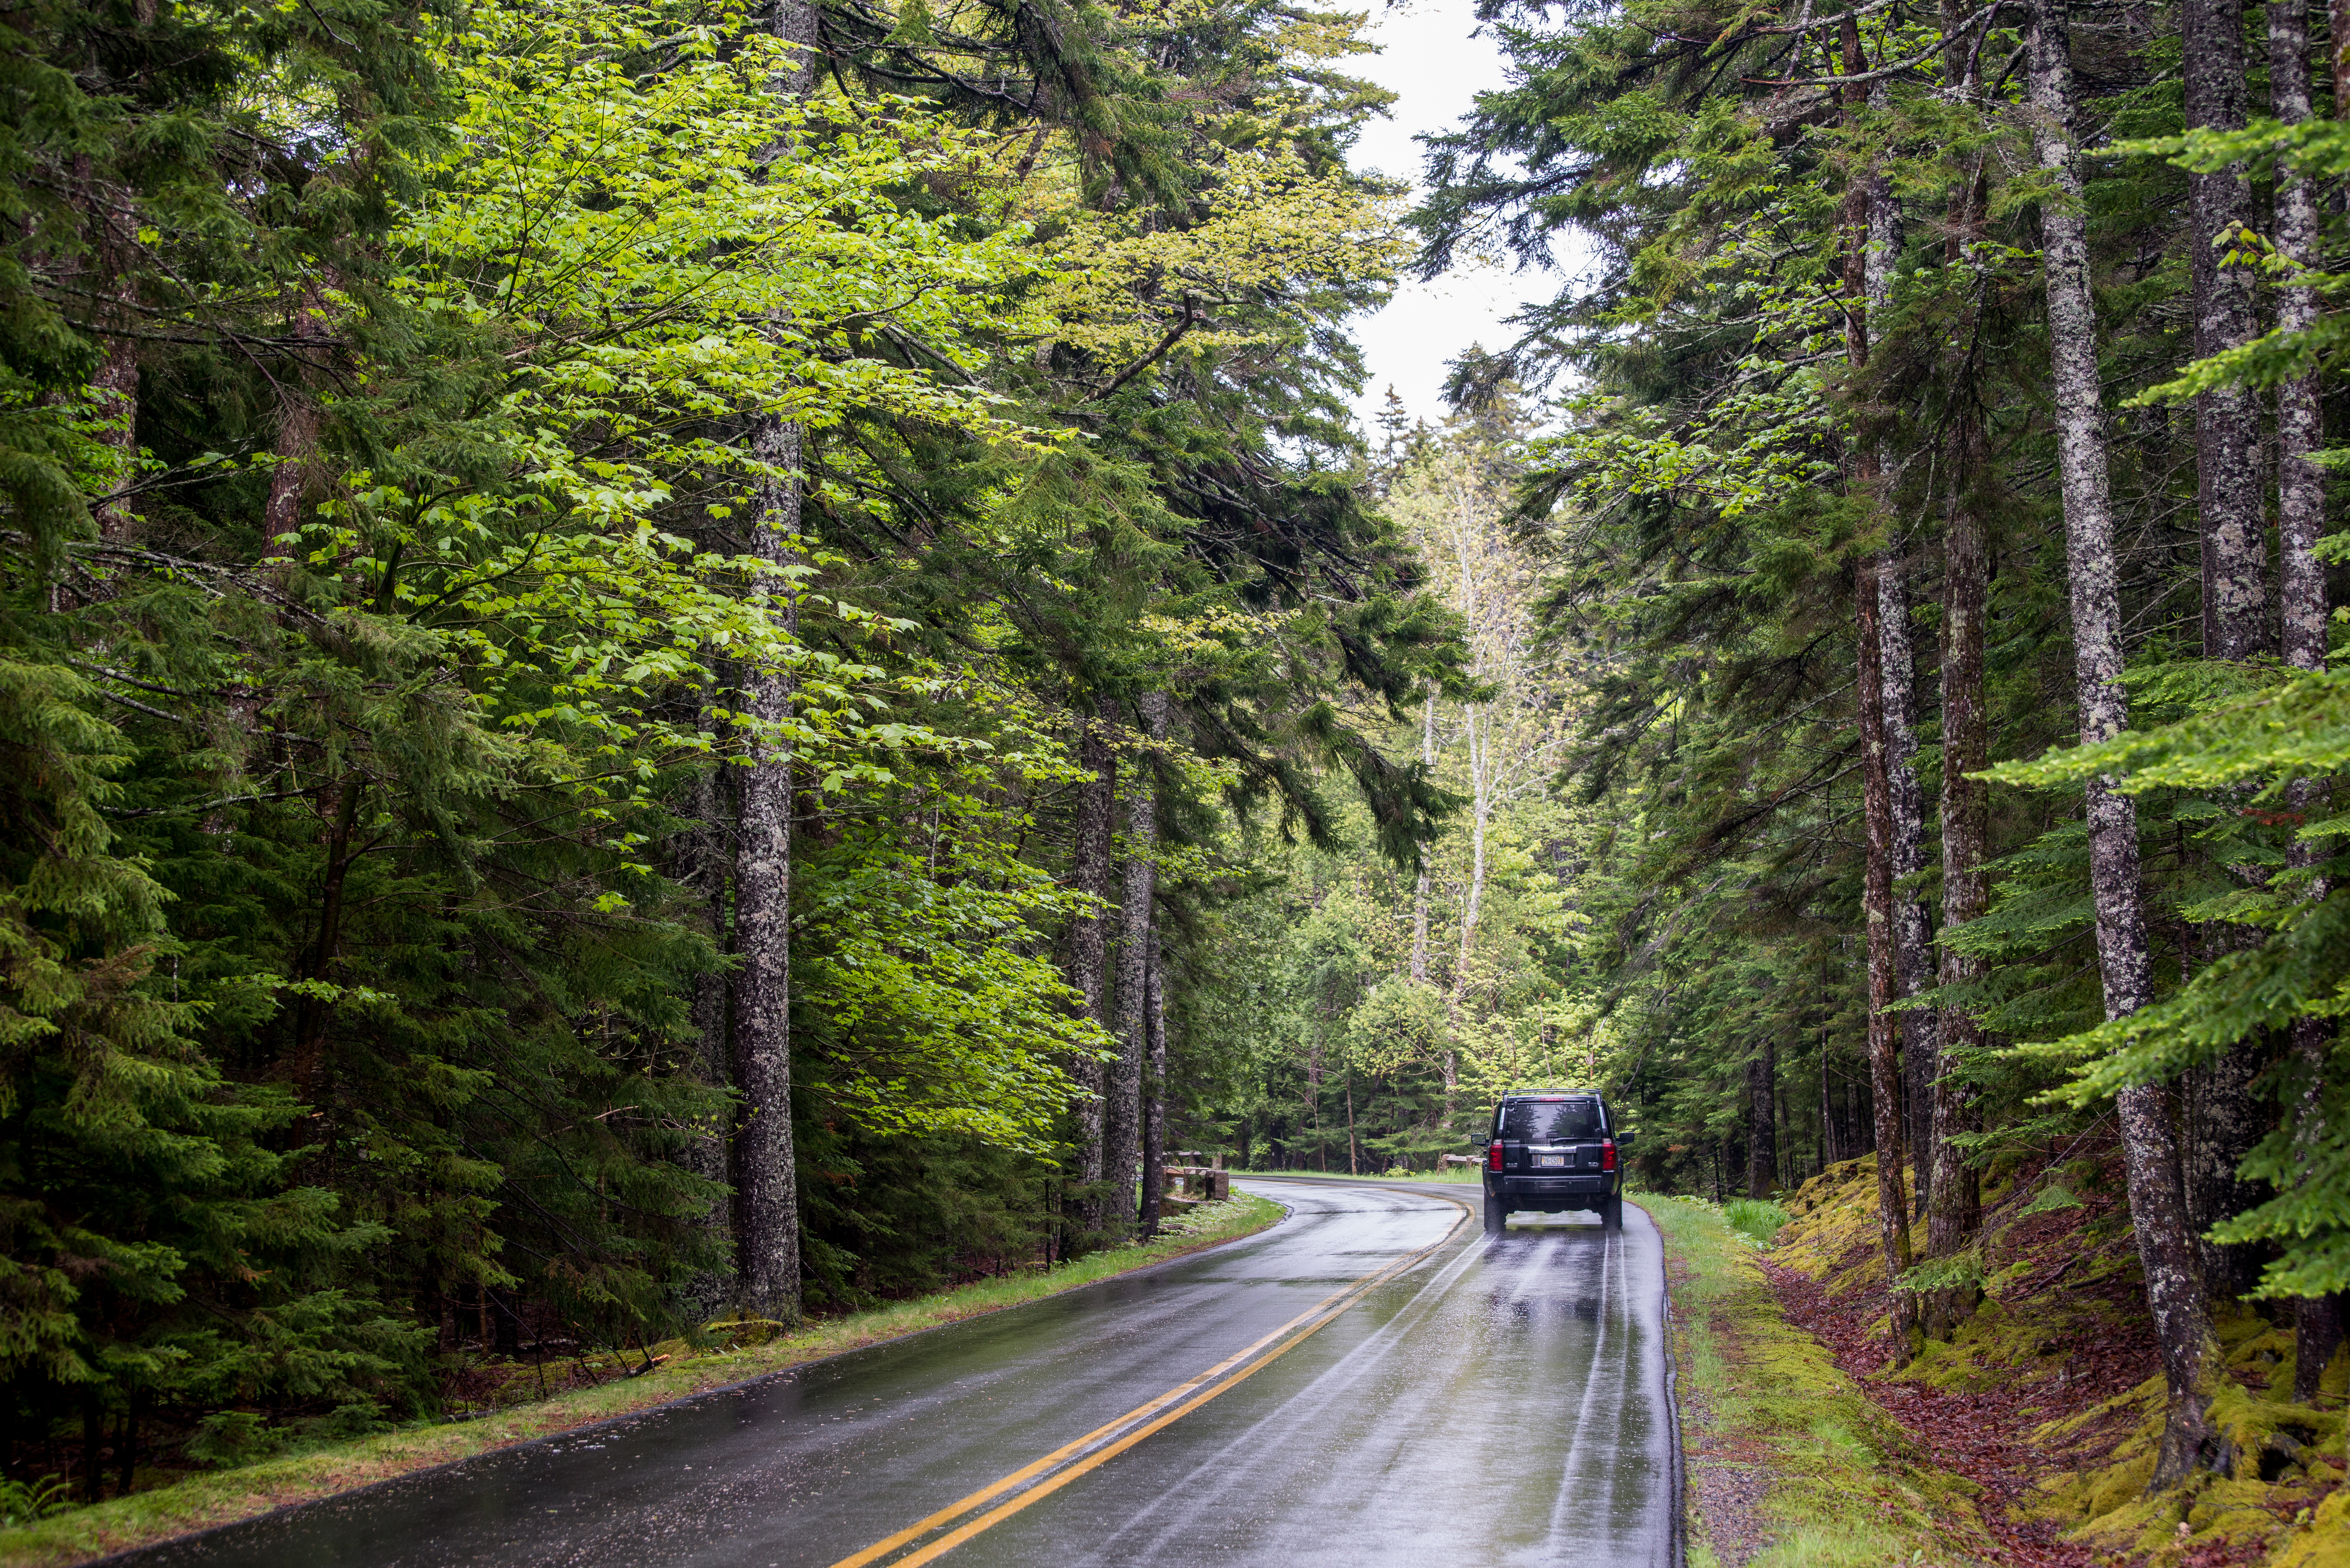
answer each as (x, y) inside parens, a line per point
(109, 274)
(1762, 1124)
(1883, 1061)
(1954, 1203)
(1354, 1163)
(1481, 812)
(1122, 1113)
(2316, 1337)
(1954, 1208)
(1154, 1090)
(1913, 932)
(766, 1186)
(767, 1177)
(1420, 891)
(2223, 1122)
(2182, 1321)
(708, 853)
(1876, 802)
(2300, 486)
(2301, 519)
(2227, 419)
(1089, 937)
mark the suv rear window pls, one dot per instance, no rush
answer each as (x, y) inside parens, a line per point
(1549, 1121)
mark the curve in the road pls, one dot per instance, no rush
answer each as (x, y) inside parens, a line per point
(1369, 1382)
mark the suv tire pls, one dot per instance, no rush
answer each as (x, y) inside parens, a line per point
(1497, 1218)
(1611, 1214)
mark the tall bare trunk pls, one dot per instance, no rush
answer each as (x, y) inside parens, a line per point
(1420, 891)
(1761, 1122)
(1876, 791)
(2227, 419)
(2174, 1282)
(1122, 1113)
(109, 275)
(1884, 1059)
(706, 858)
(1955, 1206)
(766, 1184)
(2223, 1118)
(1477, 725)
(1154, 1088)
(767, 1177)
(1089, 934)
(1912, 929)
(1913, 932)
(2301, 519)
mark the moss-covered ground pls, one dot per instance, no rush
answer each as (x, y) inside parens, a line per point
(2049, 1395)
(738, 1352)
(1790, 1464)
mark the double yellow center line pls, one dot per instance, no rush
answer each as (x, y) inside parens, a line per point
(998, 1500)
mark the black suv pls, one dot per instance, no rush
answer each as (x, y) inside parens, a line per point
(1551, 1150)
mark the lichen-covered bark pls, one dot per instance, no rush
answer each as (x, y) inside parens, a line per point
(766, 1191)
(1954, 1207)
(766, 1180)
(2227, 419)
(1876, 799)
(1913, 932)
(1154, 1090)
(2224, 1119)
(2301, 487)
(1877, 902)
(2300, 518)
(705, 866)
(1089, 933)
(1761, 1123)
(2174, 1283)
(1419, 889)
(1122, 1108)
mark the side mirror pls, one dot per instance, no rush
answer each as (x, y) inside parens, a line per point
(1624, 1140)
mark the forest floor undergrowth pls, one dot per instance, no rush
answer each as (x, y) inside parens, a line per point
(583, 1390)
(2047, 1401)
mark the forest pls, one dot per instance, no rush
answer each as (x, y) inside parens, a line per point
(714, 662)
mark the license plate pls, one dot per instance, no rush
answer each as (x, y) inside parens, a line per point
(1543, 1160)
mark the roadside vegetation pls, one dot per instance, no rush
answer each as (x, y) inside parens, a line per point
(2049, 1399)
(685, 663)
(1901, 572)
(1789, 1464)
(509, 1407)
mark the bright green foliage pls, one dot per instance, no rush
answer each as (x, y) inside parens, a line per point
(368, 676)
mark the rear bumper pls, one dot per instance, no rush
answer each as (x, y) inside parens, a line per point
(1554, 1193)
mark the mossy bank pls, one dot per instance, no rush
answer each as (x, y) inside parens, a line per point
(1789, 1462)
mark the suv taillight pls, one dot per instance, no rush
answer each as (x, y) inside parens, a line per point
(1493, 1155)
(1608, 1155)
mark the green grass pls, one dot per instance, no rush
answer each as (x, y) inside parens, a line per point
(1461, 1175)
(1845, 1487)
(202, 1501)
(1758, 1217)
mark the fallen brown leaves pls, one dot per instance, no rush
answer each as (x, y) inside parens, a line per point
(1973, 1435)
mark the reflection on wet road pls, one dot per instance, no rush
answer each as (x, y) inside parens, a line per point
(1496, 1400)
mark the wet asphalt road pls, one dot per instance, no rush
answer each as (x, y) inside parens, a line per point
(1490, 1401)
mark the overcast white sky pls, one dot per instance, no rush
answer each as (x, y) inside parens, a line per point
(1429, 58)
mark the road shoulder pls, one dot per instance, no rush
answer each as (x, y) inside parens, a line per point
(1788, 1461)
(202, 1502)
